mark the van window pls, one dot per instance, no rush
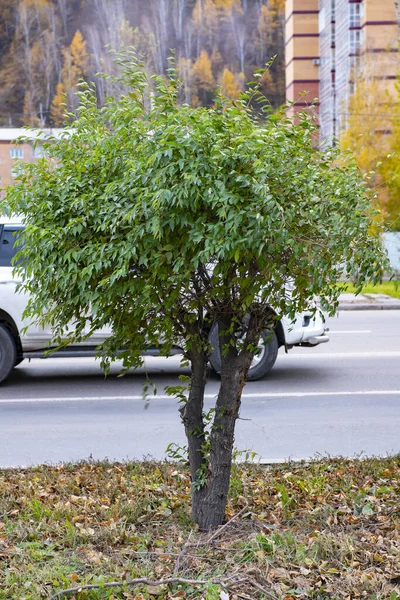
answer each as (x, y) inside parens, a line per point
(8, 247)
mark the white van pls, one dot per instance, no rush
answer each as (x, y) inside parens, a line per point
(15, 346)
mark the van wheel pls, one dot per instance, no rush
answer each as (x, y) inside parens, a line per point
(8, 353)
(262, 362)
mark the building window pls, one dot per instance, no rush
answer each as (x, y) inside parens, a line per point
(356, 40)
(356, 14)
(17, 153)
(333, 14)
(37, 151)
(333, 35)
(321, 20)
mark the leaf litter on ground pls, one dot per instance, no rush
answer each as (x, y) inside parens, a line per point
(327, 529)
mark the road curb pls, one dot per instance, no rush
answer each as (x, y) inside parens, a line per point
(394, 306)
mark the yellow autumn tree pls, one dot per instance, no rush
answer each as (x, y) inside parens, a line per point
(203, 76)
(390, 169)
(278, 6)
(205, 21)
(368, 122)
(223, 4)
(57, 109)
(226, 6)
(75, 63)
(79, 52)
(231, 85)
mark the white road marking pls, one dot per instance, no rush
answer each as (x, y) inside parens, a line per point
(260, 395)
(327, 355)
(351, 331)
(175, 360)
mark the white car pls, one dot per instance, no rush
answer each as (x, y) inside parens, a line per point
(16, 345)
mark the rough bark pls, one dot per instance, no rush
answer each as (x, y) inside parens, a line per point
(192, 411)
(209, 502)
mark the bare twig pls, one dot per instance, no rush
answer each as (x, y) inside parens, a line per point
(262, 589)
(221, 529)
(139, 581)
(244, 596)
(182, 553)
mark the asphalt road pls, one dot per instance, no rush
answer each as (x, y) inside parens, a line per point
(341, 398)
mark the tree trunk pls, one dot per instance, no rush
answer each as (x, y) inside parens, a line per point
(209, 501)
(192, 411)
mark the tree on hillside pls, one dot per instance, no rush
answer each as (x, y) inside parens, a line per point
(367, 128)
(31, 56)
(204, 78)
(74, 69)
(231, 86)
(179, 223)
(239, 35)
(205, 21)
(58, 106)
(32, 21)
(7, 23)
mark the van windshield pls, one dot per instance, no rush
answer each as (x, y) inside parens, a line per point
(8, 246)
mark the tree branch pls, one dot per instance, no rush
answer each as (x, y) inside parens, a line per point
(142, 581)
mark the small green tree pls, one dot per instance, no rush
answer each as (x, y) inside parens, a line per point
(167, 222)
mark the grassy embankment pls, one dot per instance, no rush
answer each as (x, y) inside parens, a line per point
(325, 530)
(391, 288)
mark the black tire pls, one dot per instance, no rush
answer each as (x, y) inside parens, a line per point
(261, 365)
(8, 353)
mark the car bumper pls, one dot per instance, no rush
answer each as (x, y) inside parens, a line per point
(315, 340)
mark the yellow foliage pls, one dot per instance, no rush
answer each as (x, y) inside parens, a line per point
(231, 85)
(79, 55)
(225, 7)
(205, 20)
(204, 14)
(369, 123)
(223, 4)
(36, 4)
(57, 108)
(203, 73)
(74, 68)
(277, 6)
(390, 169)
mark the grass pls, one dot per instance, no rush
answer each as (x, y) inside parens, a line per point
(324, 530)
(391, 288)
